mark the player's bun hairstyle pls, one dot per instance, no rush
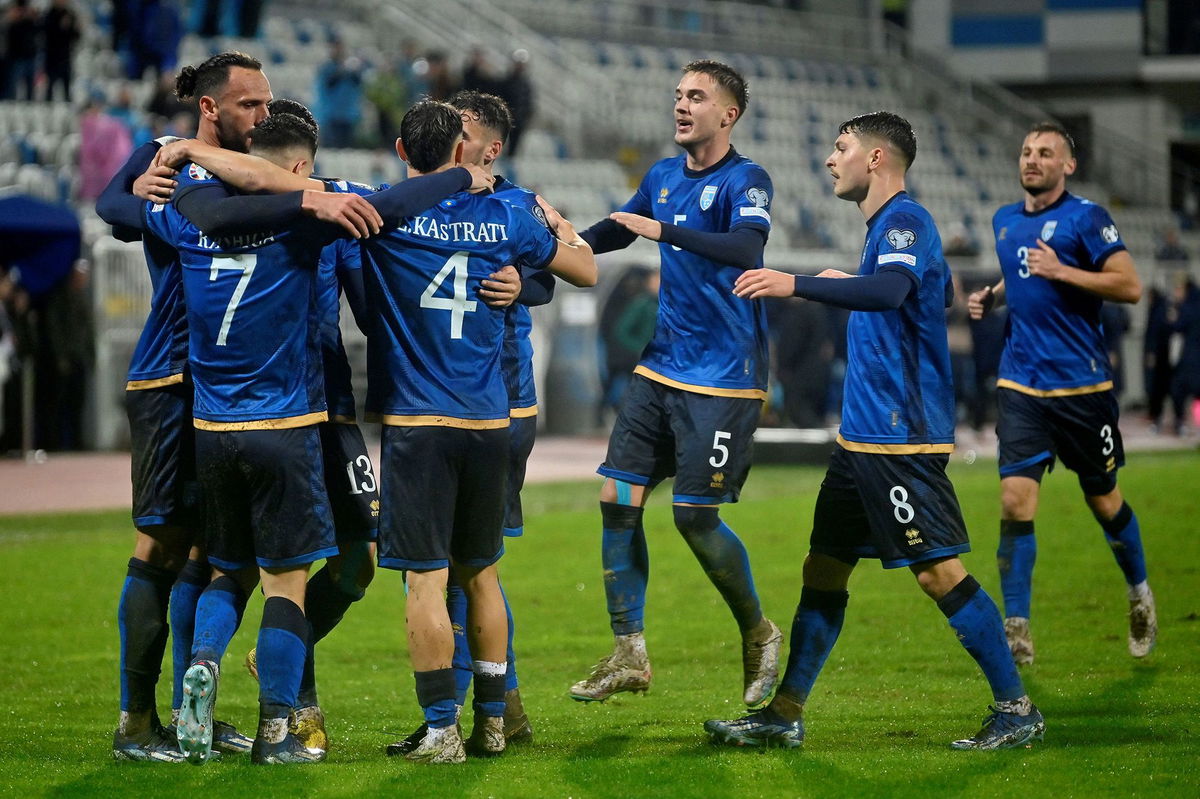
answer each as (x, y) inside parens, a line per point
(280, 132)
(429, 131)
(725, 76)
(488, 109)
(1050, 126)
(892, 128)
(282, 105)
(211, 75)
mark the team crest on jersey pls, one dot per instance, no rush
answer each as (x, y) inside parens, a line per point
(900, 239)
(1048, 229)
(197, 172)
(1109, 234)
(758, 196)
(662, 196)
(707, 196)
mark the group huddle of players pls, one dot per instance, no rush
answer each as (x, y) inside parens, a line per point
(249, 466)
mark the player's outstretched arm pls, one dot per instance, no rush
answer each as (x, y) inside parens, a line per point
(248, 173)
(1116, 281)
(981, 301)
(885, 290)
(573, 261)
(743, 246)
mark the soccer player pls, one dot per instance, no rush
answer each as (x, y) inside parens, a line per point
(1061, 256)
(259, 395)
(695, 398)
(232, 94)
(434, 380)
(886, 494)
(486, 125)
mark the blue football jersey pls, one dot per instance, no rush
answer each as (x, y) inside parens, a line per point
(706, 340)
(337, 259)
(1053, 342)
(516, 359)
(899, 393)
(253, 323)
(161, 352)
(433, 355)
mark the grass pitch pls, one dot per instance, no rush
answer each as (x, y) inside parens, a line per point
(895, 691)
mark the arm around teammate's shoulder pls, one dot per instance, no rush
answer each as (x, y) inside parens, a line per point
(573, 259)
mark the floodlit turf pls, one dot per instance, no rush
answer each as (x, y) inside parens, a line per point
(896, 690)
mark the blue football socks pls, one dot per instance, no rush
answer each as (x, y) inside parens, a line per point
(815, 629)
(218, 615)
(1015, 557)
(976, 620)
(724, 559)
(142, 626)
(626, 566)
(1125, 537)
(282, 648)
(184, 596)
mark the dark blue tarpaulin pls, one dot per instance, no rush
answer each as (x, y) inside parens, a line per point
(41, 239)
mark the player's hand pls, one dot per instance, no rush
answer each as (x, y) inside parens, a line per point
(1044, 262)
(349, 211)
(838, 273)
(980, 302)
(501, 289)
(636, 223)
(481, 181)
(558, 224)
(156, 184)
(755, 283)
(175, 153)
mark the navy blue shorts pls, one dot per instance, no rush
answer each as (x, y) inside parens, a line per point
(350, 482)
(1081, 430)
(705, 442)
(521, 433)
(163, 464)
(265, 497)
(900, 509)
(443, 497)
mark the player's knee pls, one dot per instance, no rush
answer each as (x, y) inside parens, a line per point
(166, 549)
(1018, 498)
(695, 522)
(622, 493)
(1101, 494)
(826, 573)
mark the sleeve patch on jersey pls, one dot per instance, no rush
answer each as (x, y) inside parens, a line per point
(197, 172)
(540, 215)
(1109, 234)
(758, 196)
(897, 258)
(900, 239)
(759, 212)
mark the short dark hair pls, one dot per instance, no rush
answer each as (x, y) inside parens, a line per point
(282, 132)
(725, 76)
(892, 128)
(1050, 126)
(428, 132)
(210, 75)
(284, 105)
(489, 110)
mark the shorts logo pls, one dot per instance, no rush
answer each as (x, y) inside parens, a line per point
(758, 196)
(1048, 229)
(374, 507)
(1109, 234)
(900, 239)
(718, 480)
(914, 536)
(197, 172)
(707, 196)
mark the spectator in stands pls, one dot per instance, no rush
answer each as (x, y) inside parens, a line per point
(1114, 321)
(517, 91)
(803, 350)
(104, 144)
(122, 110)
(1157, 368)
(477, 75)
(626, 326)
(250, 18)
(1185, 383)
(440, 83)
(163, 103)
(21, 28)
(8, 343)
(65, 361)
(157, 32)
(339, 93)
(1170, 249)
(60, 31)
(388, 91)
